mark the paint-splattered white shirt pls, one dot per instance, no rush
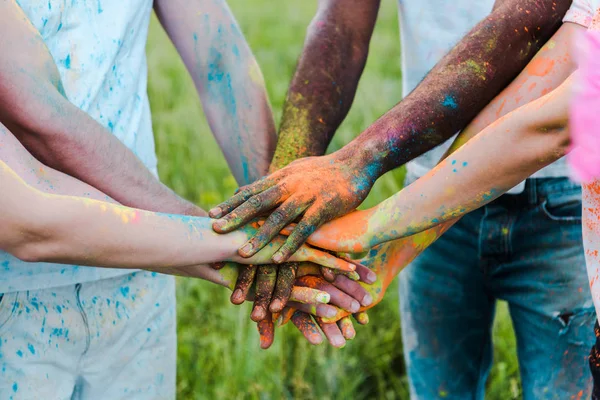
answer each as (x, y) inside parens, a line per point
(99, 48)
(428, 31)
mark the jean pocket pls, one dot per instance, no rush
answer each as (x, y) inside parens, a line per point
(8, 307)
(563, 207)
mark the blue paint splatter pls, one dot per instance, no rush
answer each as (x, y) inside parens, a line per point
(465, 164)
(453, 162)
(31, 348)
(67, 62)
(59, 309)
(15, 387)
(450, 102)
(20, 353)
(125, 291)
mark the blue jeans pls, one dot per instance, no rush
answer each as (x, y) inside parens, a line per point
(525, 249)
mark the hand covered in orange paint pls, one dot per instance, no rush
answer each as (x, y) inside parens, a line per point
(317, 189)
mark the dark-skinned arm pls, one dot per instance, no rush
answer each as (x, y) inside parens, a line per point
(323, 87)
(314, 108)
(458, 87)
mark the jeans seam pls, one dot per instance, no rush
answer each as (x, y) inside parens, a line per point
(479, 239)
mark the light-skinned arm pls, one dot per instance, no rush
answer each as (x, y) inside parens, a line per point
(61, 135)
(228, 79)
(457, 88)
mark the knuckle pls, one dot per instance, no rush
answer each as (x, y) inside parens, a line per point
(255, 201)
(278, 217)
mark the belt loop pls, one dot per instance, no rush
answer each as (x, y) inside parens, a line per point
(533, 197)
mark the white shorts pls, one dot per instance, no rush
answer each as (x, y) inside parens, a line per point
(109, 339)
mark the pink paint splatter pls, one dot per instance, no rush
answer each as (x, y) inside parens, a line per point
(584, 158)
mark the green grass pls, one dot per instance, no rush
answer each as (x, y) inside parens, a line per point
(219, 356)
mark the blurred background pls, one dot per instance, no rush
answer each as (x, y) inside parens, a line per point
(219, 354)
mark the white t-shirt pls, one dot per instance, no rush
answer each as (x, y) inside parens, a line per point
(428, 31)
(100, 50)
(582, 12)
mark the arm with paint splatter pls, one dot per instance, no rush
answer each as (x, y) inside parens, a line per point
(103, 234)
(324, 84)
(529, 135)
(456, 89)
(228, 79)
(61, 135)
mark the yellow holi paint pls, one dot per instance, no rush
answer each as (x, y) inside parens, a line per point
(255, 74)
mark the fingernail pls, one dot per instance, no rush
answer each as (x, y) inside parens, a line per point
(367, 300)
(247, 248)
(323, 298)
(330, 312)
(276, 305)
(236, 296)
(338, 342)
(363, 318)
(218, 224)
(215, 212)
(354, 276)
(279, 321)
(372, 276)
(277, 258)
(258, 314)
(355, 306)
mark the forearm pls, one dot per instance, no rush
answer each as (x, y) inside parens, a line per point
(475, 173)
(60, 134)
(228, 79)
(114, 236)
(326, 78)
(460, 85)
(504, 154)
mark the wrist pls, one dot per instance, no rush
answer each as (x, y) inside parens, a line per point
(364, 159)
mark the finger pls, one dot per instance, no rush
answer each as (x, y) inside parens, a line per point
(308, 295)
(353, 289)
(365, 274)
(328, 274)
(307, 268)
(307, 225)
(338, 298)
(249, 210)
(243, 284)
(319, 310)
(285, 316)
(308, 327)
(233, 202)
(268, 230)
(266, 331)
(362, 317)
(322, 258)
(332, 333)
(283, 287)
(218, 265)
(265, 283)
(347, 328)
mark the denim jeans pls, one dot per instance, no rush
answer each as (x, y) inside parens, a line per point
(525, 249)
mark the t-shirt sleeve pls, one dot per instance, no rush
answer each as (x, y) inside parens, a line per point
(581, 13)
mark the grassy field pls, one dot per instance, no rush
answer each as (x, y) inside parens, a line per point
(219, 355)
